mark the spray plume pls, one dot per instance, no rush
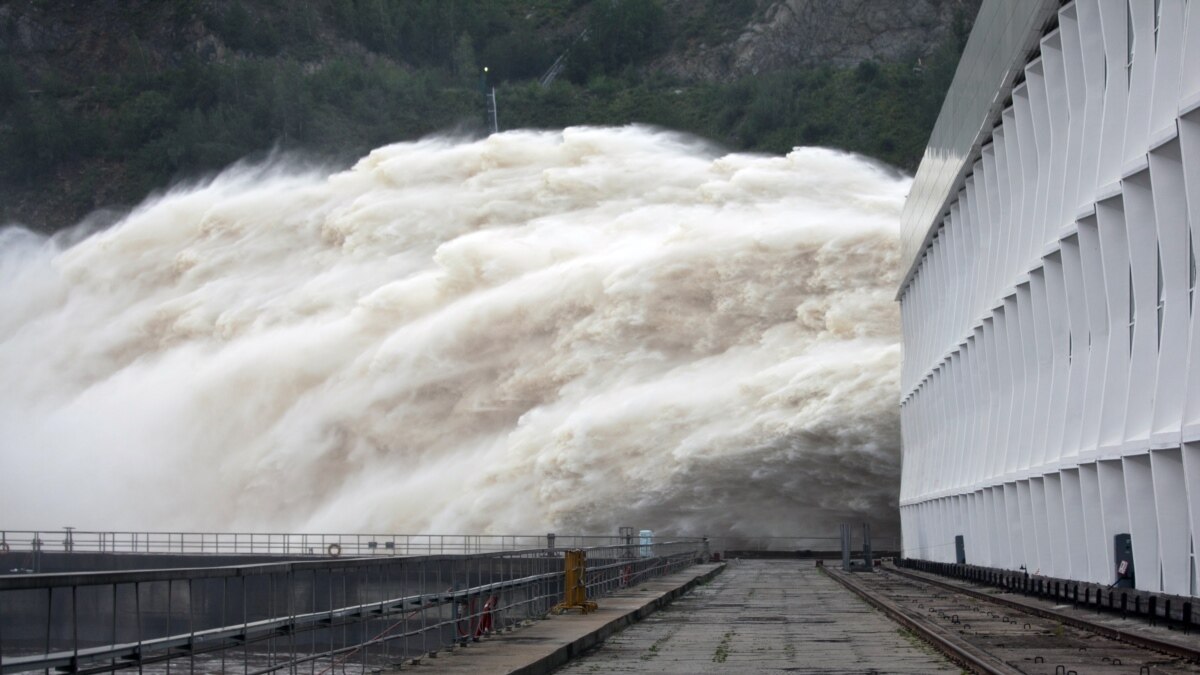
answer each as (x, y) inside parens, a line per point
(536, 331)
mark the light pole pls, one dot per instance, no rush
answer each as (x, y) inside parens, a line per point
(489, 101)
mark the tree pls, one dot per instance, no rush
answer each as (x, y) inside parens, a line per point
(462, 60)
(621, 33)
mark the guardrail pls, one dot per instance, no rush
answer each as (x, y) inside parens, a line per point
(796, 544)
(287, 544)
(362, 545)
(365, 613)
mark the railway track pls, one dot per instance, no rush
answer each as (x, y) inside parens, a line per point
(997, 636)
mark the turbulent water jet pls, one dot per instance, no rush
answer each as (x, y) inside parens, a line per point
(566, 330)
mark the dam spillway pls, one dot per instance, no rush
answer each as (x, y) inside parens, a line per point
(533, 331)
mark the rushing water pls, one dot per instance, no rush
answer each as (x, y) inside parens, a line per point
(566, 330)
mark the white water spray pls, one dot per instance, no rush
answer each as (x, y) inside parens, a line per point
(537, 331)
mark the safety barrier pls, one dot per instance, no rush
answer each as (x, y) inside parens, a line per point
(365, 613)
(364, 545)
(285, 544)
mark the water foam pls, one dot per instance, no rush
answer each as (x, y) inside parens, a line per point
(539, 330)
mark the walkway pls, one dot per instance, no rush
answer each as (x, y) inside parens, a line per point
(763, 617)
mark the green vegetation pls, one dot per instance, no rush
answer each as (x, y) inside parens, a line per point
(621, 34)
(658, 644)
(722, 651)
(339, 77)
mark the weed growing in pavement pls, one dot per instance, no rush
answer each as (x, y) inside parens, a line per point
(722, 651)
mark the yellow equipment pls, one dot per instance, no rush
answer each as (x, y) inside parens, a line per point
(576, 586)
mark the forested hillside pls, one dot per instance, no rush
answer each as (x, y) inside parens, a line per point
(103, 102)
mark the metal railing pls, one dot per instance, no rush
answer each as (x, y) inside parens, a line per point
(311, 615)
(796, 543)
(285, 544)
(361, 545)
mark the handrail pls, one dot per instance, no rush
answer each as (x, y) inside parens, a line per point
(257, 631)
(317, 544)
(280, 543)
(437, 600)
(13, 582)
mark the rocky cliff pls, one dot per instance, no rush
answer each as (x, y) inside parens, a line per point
(787, 33)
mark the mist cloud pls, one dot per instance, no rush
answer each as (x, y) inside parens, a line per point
(566, 330)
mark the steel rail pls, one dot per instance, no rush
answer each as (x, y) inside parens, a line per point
(292, 544)
(12, 582)
(954, 648)
(1144, 641)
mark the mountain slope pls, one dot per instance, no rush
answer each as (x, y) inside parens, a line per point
(103, 102)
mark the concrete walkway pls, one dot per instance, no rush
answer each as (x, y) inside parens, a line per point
(548, 644)
(764, 617)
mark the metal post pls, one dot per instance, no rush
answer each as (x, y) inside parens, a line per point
(626, 533)
(489, 99)
(868, 561)
(845, 547)
(495, 121)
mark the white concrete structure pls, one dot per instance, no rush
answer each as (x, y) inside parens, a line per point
(1051, 383)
